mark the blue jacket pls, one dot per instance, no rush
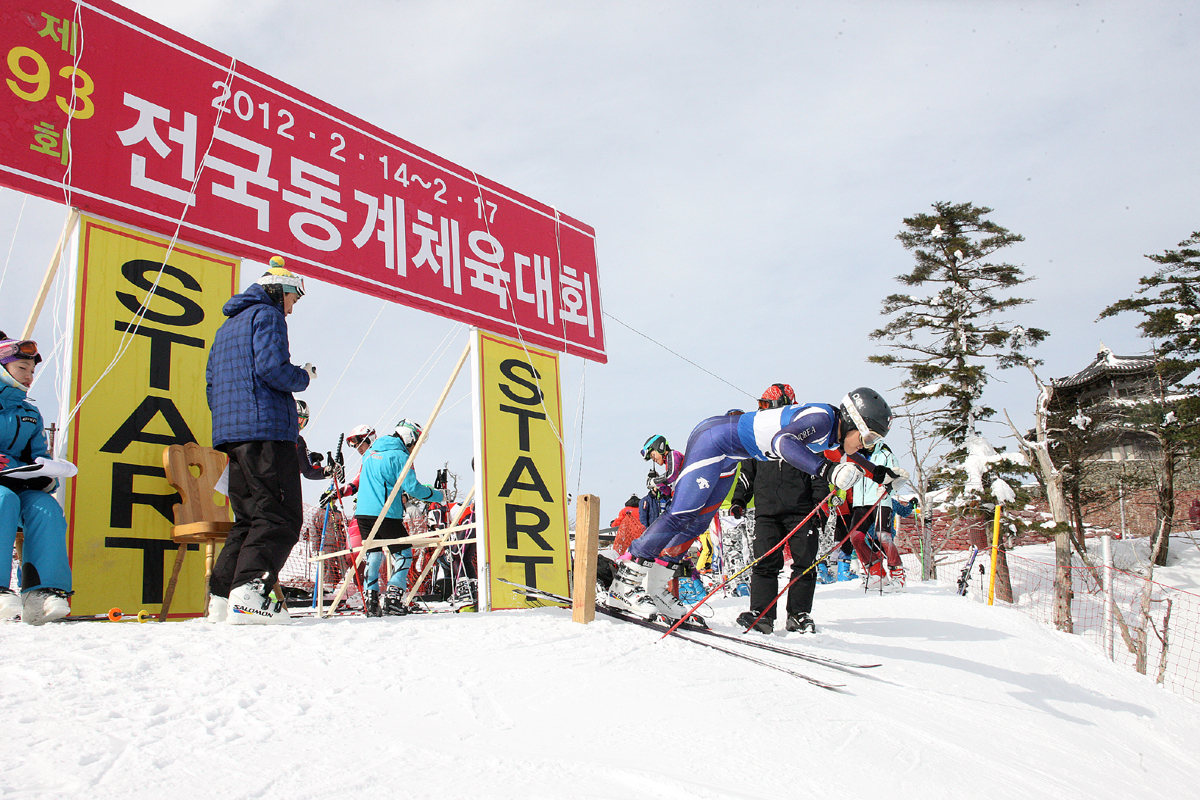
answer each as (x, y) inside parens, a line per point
(381, 467)
(250, 375)
(805, 436)
(22, 431)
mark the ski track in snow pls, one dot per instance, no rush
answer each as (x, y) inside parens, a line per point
(530, 705)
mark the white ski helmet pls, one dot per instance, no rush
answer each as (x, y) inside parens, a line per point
(408, 431)
(360, 434)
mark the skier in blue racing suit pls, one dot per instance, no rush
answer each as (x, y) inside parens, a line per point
(823, 440)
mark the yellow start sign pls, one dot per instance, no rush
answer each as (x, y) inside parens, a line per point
(523, 501)
(119, 508)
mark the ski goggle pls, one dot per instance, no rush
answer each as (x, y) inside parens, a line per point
(20, 349)
(870, 439)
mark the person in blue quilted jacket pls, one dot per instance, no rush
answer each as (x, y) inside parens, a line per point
(250, 380)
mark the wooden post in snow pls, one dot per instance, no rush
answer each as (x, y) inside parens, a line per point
(587, 544)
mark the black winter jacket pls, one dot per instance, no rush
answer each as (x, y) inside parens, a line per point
(778, 488)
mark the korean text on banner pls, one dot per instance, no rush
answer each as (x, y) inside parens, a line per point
(523, 501)
(114, 114)
(119, 508)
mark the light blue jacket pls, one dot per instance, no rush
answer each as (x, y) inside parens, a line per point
(381, 466)
(866, 491)
(22, 431)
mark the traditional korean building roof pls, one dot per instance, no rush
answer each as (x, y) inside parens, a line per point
(1106, 364)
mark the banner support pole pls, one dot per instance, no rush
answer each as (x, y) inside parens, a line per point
(51, 272)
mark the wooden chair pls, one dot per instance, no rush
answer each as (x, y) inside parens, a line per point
(197, 518)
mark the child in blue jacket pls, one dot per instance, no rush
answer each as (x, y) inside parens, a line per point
(45, 571)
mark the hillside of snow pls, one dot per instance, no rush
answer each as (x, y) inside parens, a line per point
(969, 701)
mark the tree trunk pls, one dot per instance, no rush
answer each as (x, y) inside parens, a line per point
(1063, 575)
(1166, 508)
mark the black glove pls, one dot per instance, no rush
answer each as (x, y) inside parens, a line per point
(316, 458)
(335, 471)
(439, 482)
(327, 497)
(736, 511)
(884, 476)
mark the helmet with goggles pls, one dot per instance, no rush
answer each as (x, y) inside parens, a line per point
(867, 412)
(362, 433)
(14, 349)
(655, 444)
(777, 395)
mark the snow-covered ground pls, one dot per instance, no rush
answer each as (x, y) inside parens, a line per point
(971, 701)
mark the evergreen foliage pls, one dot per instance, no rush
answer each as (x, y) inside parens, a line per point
(1169, 303)
(949, 337)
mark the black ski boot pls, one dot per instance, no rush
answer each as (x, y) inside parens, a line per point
(371, 603)
(764, 625)
(801, 622)
(393, 602)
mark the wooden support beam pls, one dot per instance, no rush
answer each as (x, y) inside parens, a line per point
(587, 545)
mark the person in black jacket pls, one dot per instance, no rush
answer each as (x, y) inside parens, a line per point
(783, 496)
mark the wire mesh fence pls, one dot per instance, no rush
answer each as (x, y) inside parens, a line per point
(1151, 627)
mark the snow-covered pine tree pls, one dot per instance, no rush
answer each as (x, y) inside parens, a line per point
(947, 339)
(1169, 302)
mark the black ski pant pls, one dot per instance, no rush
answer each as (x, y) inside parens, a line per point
(264, 493)
(764, 576)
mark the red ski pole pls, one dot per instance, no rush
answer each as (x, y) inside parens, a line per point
(819, 559)
(723, 583)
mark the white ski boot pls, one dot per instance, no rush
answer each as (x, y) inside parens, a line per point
(626, 592)
(44, 605)
(658, 587)
(250, 604)
(218, 609)
(10, 605)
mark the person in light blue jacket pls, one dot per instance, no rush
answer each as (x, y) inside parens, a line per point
(45, 573)
(381, 468)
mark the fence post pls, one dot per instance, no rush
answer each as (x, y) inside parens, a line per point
(587, 536)
(1108, 596)
(995, 552)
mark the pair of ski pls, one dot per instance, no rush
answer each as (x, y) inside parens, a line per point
(708, 632)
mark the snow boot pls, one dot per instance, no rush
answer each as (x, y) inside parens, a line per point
(764, 625)
(10, 605)
(658, 588)
(251, 604)
(823, 575)
(874, 576)
(626, 592)
(218, 609)
(393, 602)
(44, 605)
(844, 573)
(371, 603)
(896, 577)
(801, 622)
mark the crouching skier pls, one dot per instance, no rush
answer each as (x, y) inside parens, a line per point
(823, 440)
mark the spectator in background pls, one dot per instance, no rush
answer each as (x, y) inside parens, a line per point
(28, 504)
(310, 463)
(628, 526)
(250, 381)
(783, 496)
(661, 487)
(872, 551)
(1194, 513)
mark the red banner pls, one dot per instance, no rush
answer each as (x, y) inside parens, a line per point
(172, 136)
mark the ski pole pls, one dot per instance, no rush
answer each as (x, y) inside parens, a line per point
(725, 582)
(821, 558)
